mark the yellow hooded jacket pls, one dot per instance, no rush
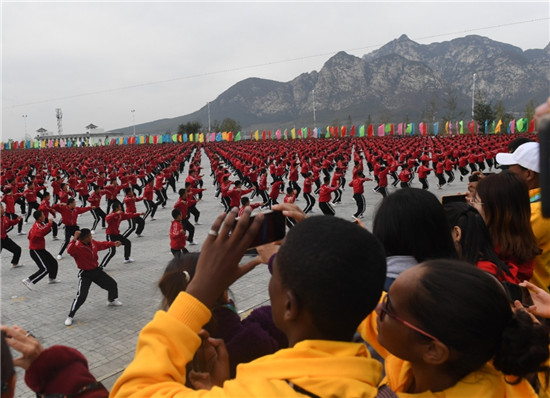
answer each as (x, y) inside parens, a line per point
(486, 382)
(169, 341)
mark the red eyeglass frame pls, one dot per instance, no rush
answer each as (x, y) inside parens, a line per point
(384, 311)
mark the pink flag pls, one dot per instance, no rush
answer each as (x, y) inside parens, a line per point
(381, 129)
(278, 134)
(400, 129)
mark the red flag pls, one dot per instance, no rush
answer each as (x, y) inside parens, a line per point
(230, 136)
(531, 126)
(370, 131)
(263, 135)
(343, 131)
(269, 133)
(352, 132)
(332, 131)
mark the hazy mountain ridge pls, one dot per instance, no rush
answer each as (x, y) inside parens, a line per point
(401, 80)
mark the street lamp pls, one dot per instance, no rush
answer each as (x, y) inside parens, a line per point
(134, 119)
(25, 119)
(473, 95)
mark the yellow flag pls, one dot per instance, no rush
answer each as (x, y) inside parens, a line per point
(201, 137)
(498, 127)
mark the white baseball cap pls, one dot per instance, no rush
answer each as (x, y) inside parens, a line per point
(526, 155)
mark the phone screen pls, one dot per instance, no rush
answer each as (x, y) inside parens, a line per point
(453, 198)
(517, 292)
(272, 229)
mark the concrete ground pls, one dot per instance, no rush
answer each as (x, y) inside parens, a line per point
(107, 335)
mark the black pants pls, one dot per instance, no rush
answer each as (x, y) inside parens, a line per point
(189, 228)
(134, 222)
(295, 187)
(31, 206)
(451, 175)
(69, 233)
(440, 179)
(151, 208)
(47, 265)
(12, 247)
(360, 200)
(179, 253)
(326, 208)
(382, 191)
(195, 212)
(424, 182)
(85, 279)
(226, 200)
(112, 250)
(98, 215)
(337, 196)
(310, 202)
(161, 196)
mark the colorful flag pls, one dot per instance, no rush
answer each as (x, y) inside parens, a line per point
(381, 130)
(511, 127)
(531, 126)
(522, 125)
(362, 130)
(370, 130)
(238, 136)
(436, 128)
(343, 131)
(257, 135)
(352, 132)
(423, 128)
(498, 127)
(388, 129)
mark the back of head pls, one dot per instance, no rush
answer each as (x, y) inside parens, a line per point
(476, 327)
(177, 275)
(475, 240)
(412, 222)
(336, 270)
(507, 212)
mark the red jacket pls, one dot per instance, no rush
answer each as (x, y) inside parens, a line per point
(5, 223)
(70, 217)
(324, 193)
(183, 206)
(114, 219)
(357, 184)
(235, 195)
(85, 256)
(36, 235)
(177, 235)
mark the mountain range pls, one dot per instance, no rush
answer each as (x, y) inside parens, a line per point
(401, 81)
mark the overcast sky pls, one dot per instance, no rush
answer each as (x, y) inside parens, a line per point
(99, 60)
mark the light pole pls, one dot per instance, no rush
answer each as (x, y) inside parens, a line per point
(134, 119)
(314, 121)
(473, 95)
(209, 130)
(25, 119)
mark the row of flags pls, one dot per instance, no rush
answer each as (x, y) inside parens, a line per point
(522, 125)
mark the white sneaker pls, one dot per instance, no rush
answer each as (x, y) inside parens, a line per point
(153, 219)
(92, 231)
(139, 235)
(55, 238)
(16, 265)
(27, 282)
(129, 260)
(198, 223)
(21, 233)
(114, 303)
(59, 256)
(193, 243)
(51, 281)
(68, 321)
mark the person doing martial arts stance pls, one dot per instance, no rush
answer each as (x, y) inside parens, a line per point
(84, 251)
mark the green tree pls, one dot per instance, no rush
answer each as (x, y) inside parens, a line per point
(483, 110)
(451, 105)
(189, 128)
(229, 124)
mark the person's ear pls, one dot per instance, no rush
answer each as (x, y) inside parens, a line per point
(456, 233)
(436, 353)
(292, 306)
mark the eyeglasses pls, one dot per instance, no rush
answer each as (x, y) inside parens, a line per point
(384, 311)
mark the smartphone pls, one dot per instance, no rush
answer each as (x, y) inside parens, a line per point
(273, 228)
(453, 198)
(517, 292)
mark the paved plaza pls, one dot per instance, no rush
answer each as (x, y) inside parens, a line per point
(107, 335)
